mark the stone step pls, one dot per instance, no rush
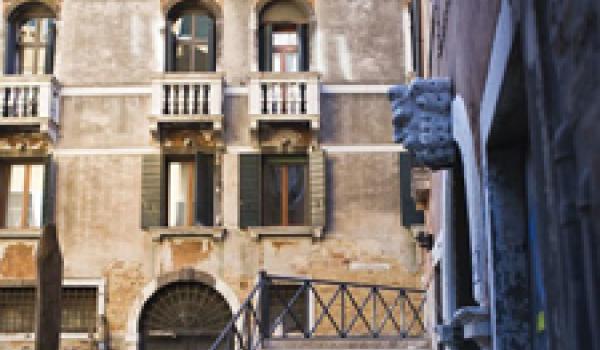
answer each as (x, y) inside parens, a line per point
(354, 344)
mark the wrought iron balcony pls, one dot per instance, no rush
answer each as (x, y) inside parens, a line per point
(29, 103)
(285, 97)
(186, 99)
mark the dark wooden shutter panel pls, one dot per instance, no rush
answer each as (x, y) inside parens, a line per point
(50, 49)
(48, 206)
(205, 189)
(410, 214)
(265, 47)
(212, 47)
(4, 187)
(303, 48)
(170, 48)
(152, 190)
(250, 190)
(10, 50)
(316, 167)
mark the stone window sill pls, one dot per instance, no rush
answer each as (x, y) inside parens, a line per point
(21, 233)
(24, 337)
(259, 232)
(161, 233)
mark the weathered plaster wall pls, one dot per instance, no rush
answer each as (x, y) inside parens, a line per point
(359, 41)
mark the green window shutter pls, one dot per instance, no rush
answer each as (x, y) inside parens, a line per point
(10, 49)
(48, 207)
(316, 168)
(212, 47)
(303, 46)
(205, 189)
(50, 48)
(170, 47)
(265, 48)
(250, 190)
(152, 190)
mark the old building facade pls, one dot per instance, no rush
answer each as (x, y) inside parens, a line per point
(511, 224)
(181, 146)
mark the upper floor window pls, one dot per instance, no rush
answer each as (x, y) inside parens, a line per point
(283, 38)
(22, 194)
(30, 41)
(190, 39)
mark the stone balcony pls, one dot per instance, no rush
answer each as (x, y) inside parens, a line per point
(284, 97)
(187, 101)
(29, 104)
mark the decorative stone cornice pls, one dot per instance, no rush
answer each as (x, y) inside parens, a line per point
(422, 121)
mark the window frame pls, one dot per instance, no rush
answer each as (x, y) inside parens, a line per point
(96, 283)
(5, 192)
(188, 160)
(285, 160)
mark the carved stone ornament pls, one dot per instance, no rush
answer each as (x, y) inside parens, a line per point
(422, 121)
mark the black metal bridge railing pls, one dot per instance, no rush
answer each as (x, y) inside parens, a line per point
(290, 308)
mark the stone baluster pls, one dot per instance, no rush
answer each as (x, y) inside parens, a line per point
(181, 99)
(2, 101)
(201, 99)
(172, 101)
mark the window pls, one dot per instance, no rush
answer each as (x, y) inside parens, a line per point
(190, 39)
(282, 190)
(79, 313)
(22, 195)
(177, 190)
(285, 183)
(79, 309)
(30, 41)
(17, 310)
(283, 38)
(296, 317)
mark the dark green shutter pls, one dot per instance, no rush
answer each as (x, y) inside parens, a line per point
(153, 193)
(265, 48)
(250, 207)
(410, 214)
(50, 48)
(10, 50)
(170, 48)
(303, 48)
(212, 50)
(48, 208)
(205, 189)
(318, 207)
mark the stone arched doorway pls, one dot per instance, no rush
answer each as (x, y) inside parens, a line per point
(183, 315)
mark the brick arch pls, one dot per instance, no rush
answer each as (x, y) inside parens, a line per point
(212, 6)
(191, 275)
(14, 8)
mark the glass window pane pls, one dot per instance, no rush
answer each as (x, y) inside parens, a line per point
(28, 32)
(41, 61)
(44, 29)
(276, 62)
(296, 194)
(28, 56)
(272, 194)
(291, 62)
(181, 183)
(14, 210)
(79, 310)
(183, 57)
(36, 195)
(203, 24)
(201, 58)
(182, 28)
(285, 39)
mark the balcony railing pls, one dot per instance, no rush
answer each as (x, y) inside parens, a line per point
(28, 100)
(193, 97)
(323, 309)
(285, 96)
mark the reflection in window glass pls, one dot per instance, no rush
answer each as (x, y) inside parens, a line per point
(14, 214)
(36, 195)
(181, 194)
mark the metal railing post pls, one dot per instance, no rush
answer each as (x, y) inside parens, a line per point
(264, 304)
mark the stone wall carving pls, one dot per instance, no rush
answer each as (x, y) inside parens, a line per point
(422, 121)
